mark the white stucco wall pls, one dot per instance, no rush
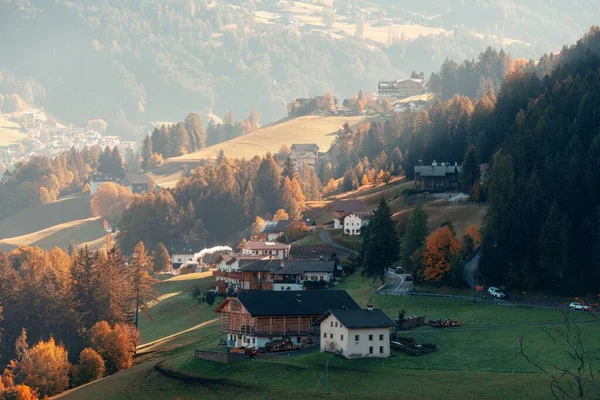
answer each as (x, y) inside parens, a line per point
(331, 340)
(352, 224)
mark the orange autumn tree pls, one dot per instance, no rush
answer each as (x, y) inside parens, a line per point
(475, 234)
(440, 249)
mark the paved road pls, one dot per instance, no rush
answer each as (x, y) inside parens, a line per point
(398, 284)
(324, 235)
(470, 268)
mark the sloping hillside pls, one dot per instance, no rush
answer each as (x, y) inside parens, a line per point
(9, 131)
(55, 224)
(310, 129)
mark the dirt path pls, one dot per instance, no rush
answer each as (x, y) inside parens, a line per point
(149, 345)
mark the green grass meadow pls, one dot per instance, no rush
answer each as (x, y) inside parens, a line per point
(479, 360)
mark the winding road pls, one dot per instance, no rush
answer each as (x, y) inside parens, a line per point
(324, 235)
(470, 268)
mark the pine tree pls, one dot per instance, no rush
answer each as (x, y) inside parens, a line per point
(470, 170)
(105, 162)
(179, 140)
(146, 153)
(414, 239)
(289, 170)
(162, 260)
(556, 241)
(117, 164)
(87, 287)
(268, 180)
(289, 199)
(382, 245)
(141, 281)
(298, 197)
(196, 131)
(254, 118)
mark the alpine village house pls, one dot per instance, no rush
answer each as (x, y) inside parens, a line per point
(351, 216)
(255, 318)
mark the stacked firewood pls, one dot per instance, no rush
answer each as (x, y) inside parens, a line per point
(283, 345)
(443, 323)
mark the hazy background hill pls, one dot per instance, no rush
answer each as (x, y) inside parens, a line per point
(131, 61)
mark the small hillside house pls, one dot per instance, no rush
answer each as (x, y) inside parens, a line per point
(276, 229)
(437, 176)
(182, 251)
(276, 250)
(356, 333)
(99, 179)
(401, 88)
(350, 215)
(255, 318)
(305, 154)
(137, 183)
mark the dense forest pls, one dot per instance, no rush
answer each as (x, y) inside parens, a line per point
(129, 62)
(57, 306)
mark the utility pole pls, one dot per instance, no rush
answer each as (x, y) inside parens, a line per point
(137, 298)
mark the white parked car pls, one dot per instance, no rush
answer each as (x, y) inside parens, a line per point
(495, 292)
(577, 306)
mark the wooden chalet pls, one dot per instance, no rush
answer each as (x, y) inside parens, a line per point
(255, 318)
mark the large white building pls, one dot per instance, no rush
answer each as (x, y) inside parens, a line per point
(304, 154)
(356, 333)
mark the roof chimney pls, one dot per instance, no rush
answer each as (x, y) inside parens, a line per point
(369, 307)
(299, 298)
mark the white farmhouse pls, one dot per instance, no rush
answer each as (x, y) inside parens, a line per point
(351, 216)
(356, 333)
(304, 153)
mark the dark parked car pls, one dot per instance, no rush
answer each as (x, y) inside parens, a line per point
(408, 278)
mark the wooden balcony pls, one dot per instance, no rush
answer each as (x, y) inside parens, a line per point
(231, 275)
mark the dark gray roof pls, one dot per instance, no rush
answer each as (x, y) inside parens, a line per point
(279, 303)
(349, 206)
(276, 226)
(356, 319)
(135, 179)
(438, 170)
(297, 267)
(184, 246)
(305, 147)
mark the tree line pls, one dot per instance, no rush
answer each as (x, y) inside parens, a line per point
(69, 305)
(218, 199)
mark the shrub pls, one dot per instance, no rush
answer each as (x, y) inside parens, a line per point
(210, 298)
(196, 291)
(115, 345)
(91, 367)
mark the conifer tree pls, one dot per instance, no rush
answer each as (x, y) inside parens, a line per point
(288, 170)
(162, 260)
(141, 281)
(555, 243)
(415, 236)
(146, 153)
(268, 180)
(470, 171)
(382, 244)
